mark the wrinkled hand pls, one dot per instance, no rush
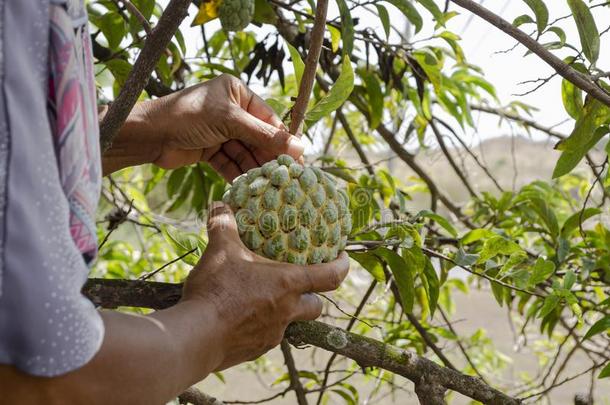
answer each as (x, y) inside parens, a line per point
(255, 298)
(223, 122)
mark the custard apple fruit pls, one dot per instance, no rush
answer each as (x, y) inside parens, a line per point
(235, 15)
(290, 213)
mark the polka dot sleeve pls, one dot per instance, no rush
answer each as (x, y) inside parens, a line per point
(47, 327)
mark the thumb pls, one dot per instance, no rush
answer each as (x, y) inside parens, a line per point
(257, 132)
(221, 222)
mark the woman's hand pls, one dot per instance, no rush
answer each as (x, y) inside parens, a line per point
(223, 122)
(255, 298)
(220, 121)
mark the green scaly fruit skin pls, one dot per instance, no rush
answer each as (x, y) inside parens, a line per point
(291, 213)
(235, 15)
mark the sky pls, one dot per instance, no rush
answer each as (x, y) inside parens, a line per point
(482, 44)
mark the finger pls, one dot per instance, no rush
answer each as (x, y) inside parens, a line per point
(240, 155)
(308, 308)
(174, 158)
(225, 166)
(221, 222)
(322, 277)
(256, 106)
(264, 112)
(254, 131)
(261, 154)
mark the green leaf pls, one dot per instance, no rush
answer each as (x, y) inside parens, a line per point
(563, 248)
(297, 62)
(605, 371)
(337, 95)
(433, 8)
(433, 286)
(498, 292)
(513, 260)
(560, 34)
(598, 327)
(523, 19)
(409, 11)
(541, 12)
(347, 27)
(175, 181)
(375, 97)
(342, 173)
(370, 263)
(120, 69)
(587, 29)
(114, 27)
(415, 258)
(476, 235)
(547, 215)
(403, 276)
(465, 259)
(497, 245)
(542, 270)
(183, 243)
(453, 41)
(145, 7)
(573, 221)
(278, 106)
(587, 132)
(345, 395)
(335, 37)
(438, 219)
(382, 12)
(550, 303)
(569, 279)
(571, 96)
(431, 65)
(263, 12)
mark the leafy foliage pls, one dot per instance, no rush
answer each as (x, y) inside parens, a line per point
(542, 250)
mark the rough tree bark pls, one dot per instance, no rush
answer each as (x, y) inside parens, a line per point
(429, 378)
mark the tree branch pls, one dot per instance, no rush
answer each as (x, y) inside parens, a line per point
(349, 326)
(580, 80)
(193, 396)
(456, 169)
(133, 9)
(311, 66)
(155, 45)
(293, 373)
(365, 351)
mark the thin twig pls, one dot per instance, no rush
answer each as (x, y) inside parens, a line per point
(293, 373)
(138, 15)
(177, 259)
(485, 276)
(580, 80)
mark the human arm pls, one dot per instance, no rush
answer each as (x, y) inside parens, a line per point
(235, 307)
(220, 121)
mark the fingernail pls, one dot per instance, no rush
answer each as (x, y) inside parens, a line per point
(295, 146)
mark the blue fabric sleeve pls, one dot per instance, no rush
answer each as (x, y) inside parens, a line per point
(47, 327)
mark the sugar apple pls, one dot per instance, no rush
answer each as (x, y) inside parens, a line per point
(235, 15)
(290, 213)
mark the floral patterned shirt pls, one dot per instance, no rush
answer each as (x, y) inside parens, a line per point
(50, 179)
